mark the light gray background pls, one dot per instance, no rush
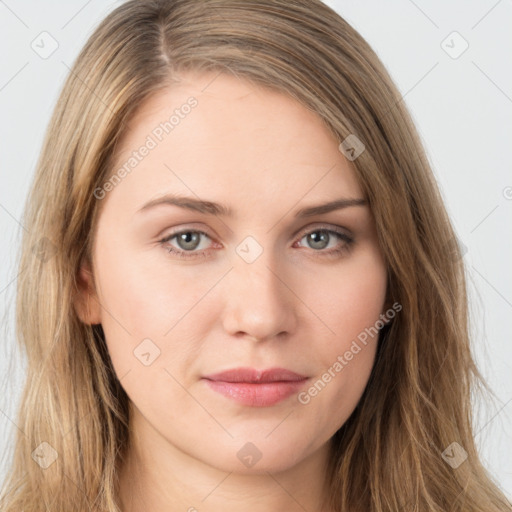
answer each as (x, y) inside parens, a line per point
(462, 107)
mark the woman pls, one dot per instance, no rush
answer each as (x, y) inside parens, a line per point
(246, 291)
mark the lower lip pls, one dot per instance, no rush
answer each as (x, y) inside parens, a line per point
(257, 395)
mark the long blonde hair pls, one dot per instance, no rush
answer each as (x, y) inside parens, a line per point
(388, 455)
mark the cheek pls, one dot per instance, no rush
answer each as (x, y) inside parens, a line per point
(350, 304)
(350, 298)
(144, 298)
(137, 291)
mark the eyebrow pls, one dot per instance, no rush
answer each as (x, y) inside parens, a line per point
(211, 208)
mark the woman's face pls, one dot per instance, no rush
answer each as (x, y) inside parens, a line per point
(186, 292)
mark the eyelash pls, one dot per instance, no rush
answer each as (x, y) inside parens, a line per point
(348, 241)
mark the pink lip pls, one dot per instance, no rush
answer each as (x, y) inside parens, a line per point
(257, 388)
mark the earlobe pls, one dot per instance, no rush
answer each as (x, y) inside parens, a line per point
(86, 301)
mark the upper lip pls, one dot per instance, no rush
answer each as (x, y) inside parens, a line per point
(252, 375)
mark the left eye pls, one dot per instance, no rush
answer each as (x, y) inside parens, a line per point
(320, 238)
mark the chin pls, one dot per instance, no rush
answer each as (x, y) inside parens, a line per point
(259, 456)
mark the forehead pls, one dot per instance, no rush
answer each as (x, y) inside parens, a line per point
(226, 109)
(215, 135)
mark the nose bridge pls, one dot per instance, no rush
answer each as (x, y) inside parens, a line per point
(259, 303)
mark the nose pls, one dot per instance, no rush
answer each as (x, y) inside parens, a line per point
(259, 304)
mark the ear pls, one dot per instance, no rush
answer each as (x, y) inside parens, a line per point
(87, 305)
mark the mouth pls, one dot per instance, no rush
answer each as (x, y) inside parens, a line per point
(256, 388)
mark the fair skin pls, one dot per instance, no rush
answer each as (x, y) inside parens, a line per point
(266, 157)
